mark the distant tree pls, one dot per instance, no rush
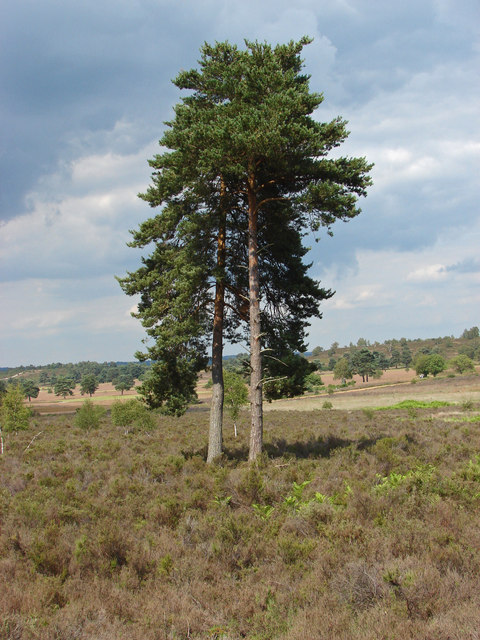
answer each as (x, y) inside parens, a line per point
(30, 389)
(362, 342)
(471, 333)
(425, 350)
(313, 382)
(238, 364)
(421, 364)
(381, 361)
(64, 387)
(406, 355)
(342, 370)
(395, 357)
(123, 383)
(44, 377)
(88, 384)
(333, 348)
(462, 363)
(14, 415)
(317, 351)
(470, 349)
(432, 363)
(236, 395)
(331, 364)
(363, 364)
(436, 364)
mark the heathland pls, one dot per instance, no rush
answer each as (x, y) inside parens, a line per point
(361, 521)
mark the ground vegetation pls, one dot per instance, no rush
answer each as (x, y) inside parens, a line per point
(357, 525)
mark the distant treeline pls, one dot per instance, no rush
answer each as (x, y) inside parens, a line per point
(402, 352)
(390, 353)
(104, 372)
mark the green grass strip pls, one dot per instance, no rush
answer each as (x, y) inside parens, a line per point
(416, 404)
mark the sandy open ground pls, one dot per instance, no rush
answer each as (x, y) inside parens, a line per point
(105, 395)
(394, 386)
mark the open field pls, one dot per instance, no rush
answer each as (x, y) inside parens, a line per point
(395, 385)
(356, 525)
(49, 403)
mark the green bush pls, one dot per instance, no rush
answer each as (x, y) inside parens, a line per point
(13, 414)
(132, 413)
(313, 382)
(462, 363)
(89, 416)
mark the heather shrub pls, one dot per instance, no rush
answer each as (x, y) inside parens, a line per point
(350, 526)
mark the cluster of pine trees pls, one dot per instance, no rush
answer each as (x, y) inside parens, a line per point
(245, 175)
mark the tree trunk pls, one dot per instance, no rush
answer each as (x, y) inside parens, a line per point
(256, 407)
(215, 437)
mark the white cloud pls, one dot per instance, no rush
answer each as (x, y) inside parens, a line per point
(428, 273)
(81, 228)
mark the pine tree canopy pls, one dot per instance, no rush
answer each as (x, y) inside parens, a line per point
(243, 174)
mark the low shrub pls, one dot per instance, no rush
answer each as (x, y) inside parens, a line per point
(14, 415)
(132, 414)
(89, 416)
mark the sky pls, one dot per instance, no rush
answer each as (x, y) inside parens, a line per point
(85, 89)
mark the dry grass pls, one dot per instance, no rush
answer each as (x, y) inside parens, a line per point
(357, 525)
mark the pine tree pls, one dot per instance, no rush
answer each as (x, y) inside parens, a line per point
(245, 176)
(261, 133)
(30, 389)
(88, 384)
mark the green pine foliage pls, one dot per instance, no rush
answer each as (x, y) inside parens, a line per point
(289, 376)
(88, 384)
(64, 387)
(246, 167)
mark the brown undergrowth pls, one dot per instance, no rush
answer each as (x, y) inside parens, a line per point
(356, 525)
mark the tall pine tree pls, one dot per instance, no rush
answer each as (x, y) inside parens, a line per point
(245, 176)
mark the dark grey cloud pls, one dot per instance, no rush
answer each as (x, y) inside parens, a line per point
(470, 265)
(76, 68)
(72, 69)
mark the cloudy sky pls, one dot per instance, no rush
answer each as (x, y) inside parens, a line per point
(85, 89)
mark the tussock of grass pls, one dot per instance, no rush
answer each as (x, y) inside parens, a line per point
(351, 527)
